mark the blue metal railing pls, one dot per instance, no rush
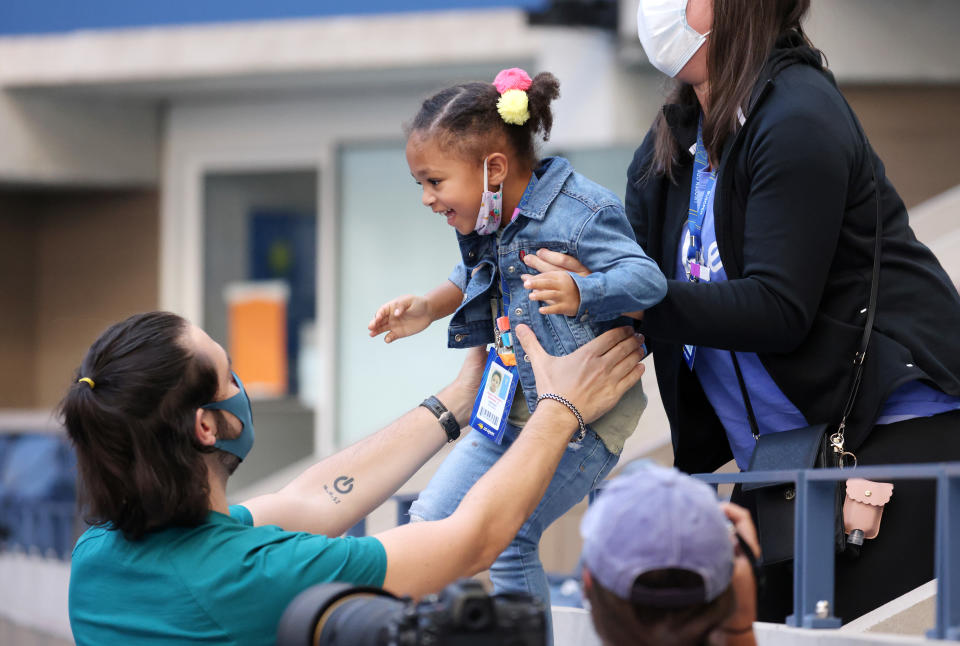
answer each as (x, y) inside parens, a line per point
(813, 580)
(813, 566)
(38, 510)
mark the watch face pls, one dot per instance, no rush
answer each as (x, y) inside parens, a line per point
(450, 425)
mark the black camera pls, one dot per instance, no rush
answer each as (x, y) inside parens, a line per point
(463, 614)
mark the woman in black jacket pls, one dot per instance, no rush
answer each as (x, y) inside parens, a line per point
(771, 251)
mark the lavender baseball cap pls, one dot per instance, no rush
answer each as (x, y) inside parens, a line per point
(655, 518)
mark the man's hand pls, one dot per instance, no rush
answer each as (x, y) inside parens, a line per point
(594, 377)
(404, 316)
(557, 289)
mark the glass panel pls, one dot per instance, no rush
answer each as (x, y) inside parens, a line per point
(390, 244)
(260, 301)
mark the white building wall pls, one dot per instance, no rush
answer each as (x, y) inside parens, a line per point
(77, 140)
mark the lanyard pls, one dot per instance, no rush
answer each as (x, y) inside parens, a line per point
(701, 189)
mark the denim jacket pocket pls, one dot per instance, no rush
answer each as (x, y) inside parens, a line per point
(518, 250)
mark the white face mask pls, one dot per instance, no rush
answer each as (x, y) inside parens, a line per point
(667, 39)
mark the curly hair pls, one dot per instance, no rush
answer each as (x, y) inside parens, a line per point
(465, 118)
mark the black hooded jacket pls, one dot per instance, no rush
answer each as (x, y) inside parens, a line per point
(795, 213)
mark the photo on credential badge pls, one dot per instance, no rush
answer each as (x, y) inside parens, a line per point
(494, 381)
(491, 408)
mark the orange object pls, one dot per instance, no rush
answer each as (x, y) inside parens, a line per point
(508, 359)
(257, 330)
(503, 323)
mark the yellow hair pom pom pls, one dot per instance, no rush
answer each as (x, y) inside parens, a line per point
(512, 106)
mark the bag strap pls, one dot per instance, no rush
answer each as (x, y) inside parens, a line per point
(837, 439)
(746, 398)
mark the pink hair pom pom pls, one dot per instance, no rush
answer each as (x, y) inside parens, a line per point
(512, 79)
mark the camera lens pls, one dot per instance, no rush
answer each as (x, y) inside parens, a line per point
(359, 620)
(338, 614)
(477, 615)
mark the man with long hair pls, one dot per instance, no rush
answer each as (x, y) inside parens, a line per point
(160, 421)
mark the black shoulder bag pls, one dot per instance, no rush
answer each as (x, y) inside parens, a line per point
(805, 448)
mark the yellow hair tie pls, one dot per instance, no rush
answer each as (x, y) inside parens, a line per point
(88, 381)
(512, 106)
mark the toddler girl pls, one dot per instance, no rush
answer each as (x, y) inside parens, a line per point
(472, 149)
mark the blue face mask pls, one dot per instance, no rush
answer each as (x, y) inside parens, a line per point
(239, 407)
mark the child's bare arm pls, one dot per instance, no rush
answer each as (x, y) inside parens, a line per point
(409, 314)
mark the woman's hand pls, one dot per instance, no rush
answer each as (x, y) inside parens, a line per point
(546, 261)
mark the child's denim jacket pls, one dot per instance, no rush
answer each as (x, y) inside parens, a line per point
(566, 212)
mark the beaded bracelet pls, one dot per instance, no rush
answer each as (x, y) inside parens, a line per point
(573, 409)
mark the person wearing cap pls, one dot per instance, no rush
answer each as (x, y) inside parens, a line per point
(665, 563)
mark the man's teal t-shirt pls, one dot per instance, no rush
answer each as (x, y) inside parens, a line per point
(224, 581)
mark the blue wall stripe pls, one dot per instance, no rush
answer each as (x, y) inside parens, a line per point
(19, 17)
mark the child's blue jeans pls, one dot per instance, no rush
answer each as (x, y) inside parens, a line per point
(518, 568)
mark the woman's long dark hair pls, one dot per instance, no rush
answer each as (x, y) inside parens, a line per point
(141, 466)
(741, 38)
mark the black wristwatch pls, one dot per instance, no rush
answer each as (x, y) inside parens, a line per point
(449, 423)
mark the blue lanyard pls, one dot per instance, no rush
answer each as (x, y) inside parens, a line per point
(701, 188)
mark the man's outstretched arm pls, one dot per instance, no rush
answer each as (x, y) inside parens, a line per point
(423, 557)
(334, 494)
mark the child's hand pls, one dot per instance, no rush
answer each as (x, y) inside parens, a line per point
(557, 289)
(404, 316)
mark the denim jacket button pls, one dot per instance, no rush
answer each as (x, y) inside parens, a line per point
(458, 338)
(518, 311)
(526, 358)
(511, 269)
(471, 254)
(584, 318)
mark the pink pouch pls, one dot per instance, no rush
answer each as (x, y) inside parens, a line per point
(863, 506)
